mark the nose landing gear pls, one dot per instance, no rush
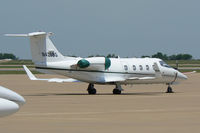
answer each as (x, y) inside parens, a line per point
(169, 89)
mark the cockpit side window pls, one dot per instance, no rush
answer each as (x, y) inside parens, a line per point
(162, 63)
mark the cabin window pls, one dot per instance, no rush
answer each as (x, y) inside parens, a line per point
(141, 68)
(134, 67)
(147, 67)
(125, 67)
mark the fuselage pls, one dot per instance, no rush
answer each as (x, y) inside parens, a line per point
(121, 68)
(97, 70)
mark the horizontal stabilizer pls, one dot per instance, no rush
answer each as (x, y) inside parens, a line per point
(29, 34)
(58, 80)
(17, 35)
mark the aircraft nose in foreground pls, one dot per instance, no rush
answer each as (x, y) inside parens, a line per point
(10, 101)
(7, 107)
(11, 95)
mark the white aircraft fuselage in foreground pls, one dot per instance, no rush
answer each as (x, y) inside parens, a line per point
(10, 101)
(98, 70)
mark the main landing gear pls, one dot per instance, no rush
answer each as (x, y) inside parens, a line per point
(118, 89)
(169, 89)
(91, 90)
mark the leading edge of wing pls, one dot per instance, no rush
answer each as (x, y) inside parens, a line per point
(121, 79)
(58, 80)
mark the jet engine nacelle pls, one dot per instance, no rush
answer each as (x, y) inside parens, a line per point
(94, 63)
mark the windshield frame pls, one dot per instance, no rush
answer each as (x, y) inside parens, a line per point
(164, 64)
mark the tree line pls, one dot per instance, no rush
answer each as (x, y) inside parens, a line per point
(171, 57)
(7, 56)
(157, 55)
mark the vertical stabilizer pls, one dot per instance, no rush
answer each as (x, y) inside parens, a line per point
(42, 48)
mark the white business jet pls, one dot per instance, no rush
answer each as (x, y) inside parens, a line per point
(97, 70)
(10, 101)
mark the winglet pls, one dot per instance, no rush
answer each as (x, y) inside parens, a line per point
(58, 80)
(29, 73)
(190, 72)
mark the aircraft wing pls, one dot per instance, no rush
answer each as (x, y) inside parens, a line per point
(141, 78)
(121, 79)
(189, 72)
(114, 79)
(58, 80)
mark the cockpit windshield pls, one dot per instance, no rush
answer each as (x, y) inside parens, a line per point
(162, 63)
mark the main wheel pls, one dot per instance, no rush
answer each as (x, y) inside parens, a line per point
(116, 91)
(169, 90)
(92, 91)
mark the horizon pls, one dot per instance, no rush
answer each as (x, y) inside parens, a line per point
(111, 54)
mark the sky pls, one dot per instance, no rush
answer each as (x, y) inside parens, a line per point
(128, 28)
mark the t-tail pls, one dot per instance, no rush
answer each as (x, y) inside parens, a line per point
(42, 48)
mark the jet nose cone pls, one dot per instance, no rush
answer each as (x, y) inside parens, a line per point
(182, 76)
(20, 100)
(7, 107)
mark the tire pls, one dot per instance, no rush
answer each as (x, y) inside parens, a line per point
(116, 91)
(92, 91)
(169, 90)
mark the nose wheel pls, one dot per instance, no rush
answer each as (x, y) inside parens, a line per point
(169, 89)
(91, 90)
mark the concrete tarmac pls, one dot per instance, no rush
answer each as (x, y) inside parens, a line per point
(66, 107)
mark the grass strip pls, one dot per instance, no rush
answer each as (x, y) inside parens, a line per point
(18, 72)
(17, 62)
(183, 61)
(189, 70)
(15, 66)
